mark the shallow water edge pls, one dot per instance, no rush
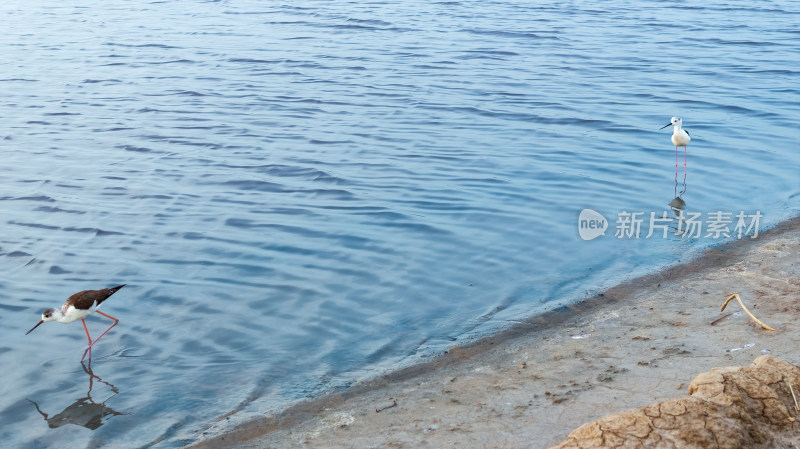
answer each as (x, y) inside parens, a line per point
(719, 257)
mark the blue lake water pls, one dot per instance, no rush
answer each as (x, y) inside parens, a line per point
(302, 194)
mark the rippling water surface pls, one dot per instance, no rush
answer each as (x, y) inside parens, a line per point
(300, 194)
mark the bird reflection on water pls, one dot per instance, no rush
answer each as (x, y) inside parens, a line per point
(84, 412)
(678, 205)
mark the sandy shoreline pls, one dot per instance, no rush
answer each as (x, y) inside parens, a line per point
(634, 344)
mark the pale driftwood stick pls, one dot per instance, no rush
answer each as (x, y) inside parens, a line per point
(796, 405)
(736, 295)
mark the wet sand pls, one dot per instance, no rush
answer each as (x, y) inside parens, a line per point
(528, 387)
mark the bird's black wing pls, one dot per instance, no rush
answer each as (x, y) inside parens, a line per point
(85, 299)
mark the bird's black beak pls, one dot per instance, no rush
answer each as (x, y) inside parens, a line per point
(34, 327)
(664, 126)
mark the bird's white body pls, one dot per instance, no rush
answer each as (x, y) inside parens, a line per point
(68, 314)
(680, 138)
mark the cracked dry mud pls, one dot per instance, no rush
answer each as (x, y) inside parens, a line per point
(727, 408)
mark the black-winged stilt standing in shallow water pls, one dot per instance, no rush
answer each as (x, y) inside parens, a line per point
(680, 138)
(79, 306)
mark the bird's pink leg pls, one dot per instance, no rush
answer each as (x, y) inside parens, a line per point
(676, 170)
(101, 335)
(685, 149)
(87, 330)
(676, 162)
(87, 351)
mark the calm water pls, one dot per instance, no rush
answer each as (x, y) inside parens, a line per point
(301, 194)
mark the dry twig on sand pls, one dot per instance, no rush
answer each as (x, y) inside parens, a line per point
(736, 295)
(720, 318)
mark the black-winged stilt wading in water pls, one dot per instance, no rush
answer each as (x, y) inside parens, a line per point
(79, 306)
(680, 138)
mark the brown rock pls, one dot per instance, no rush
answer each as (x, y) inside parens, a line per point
(727, 408)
